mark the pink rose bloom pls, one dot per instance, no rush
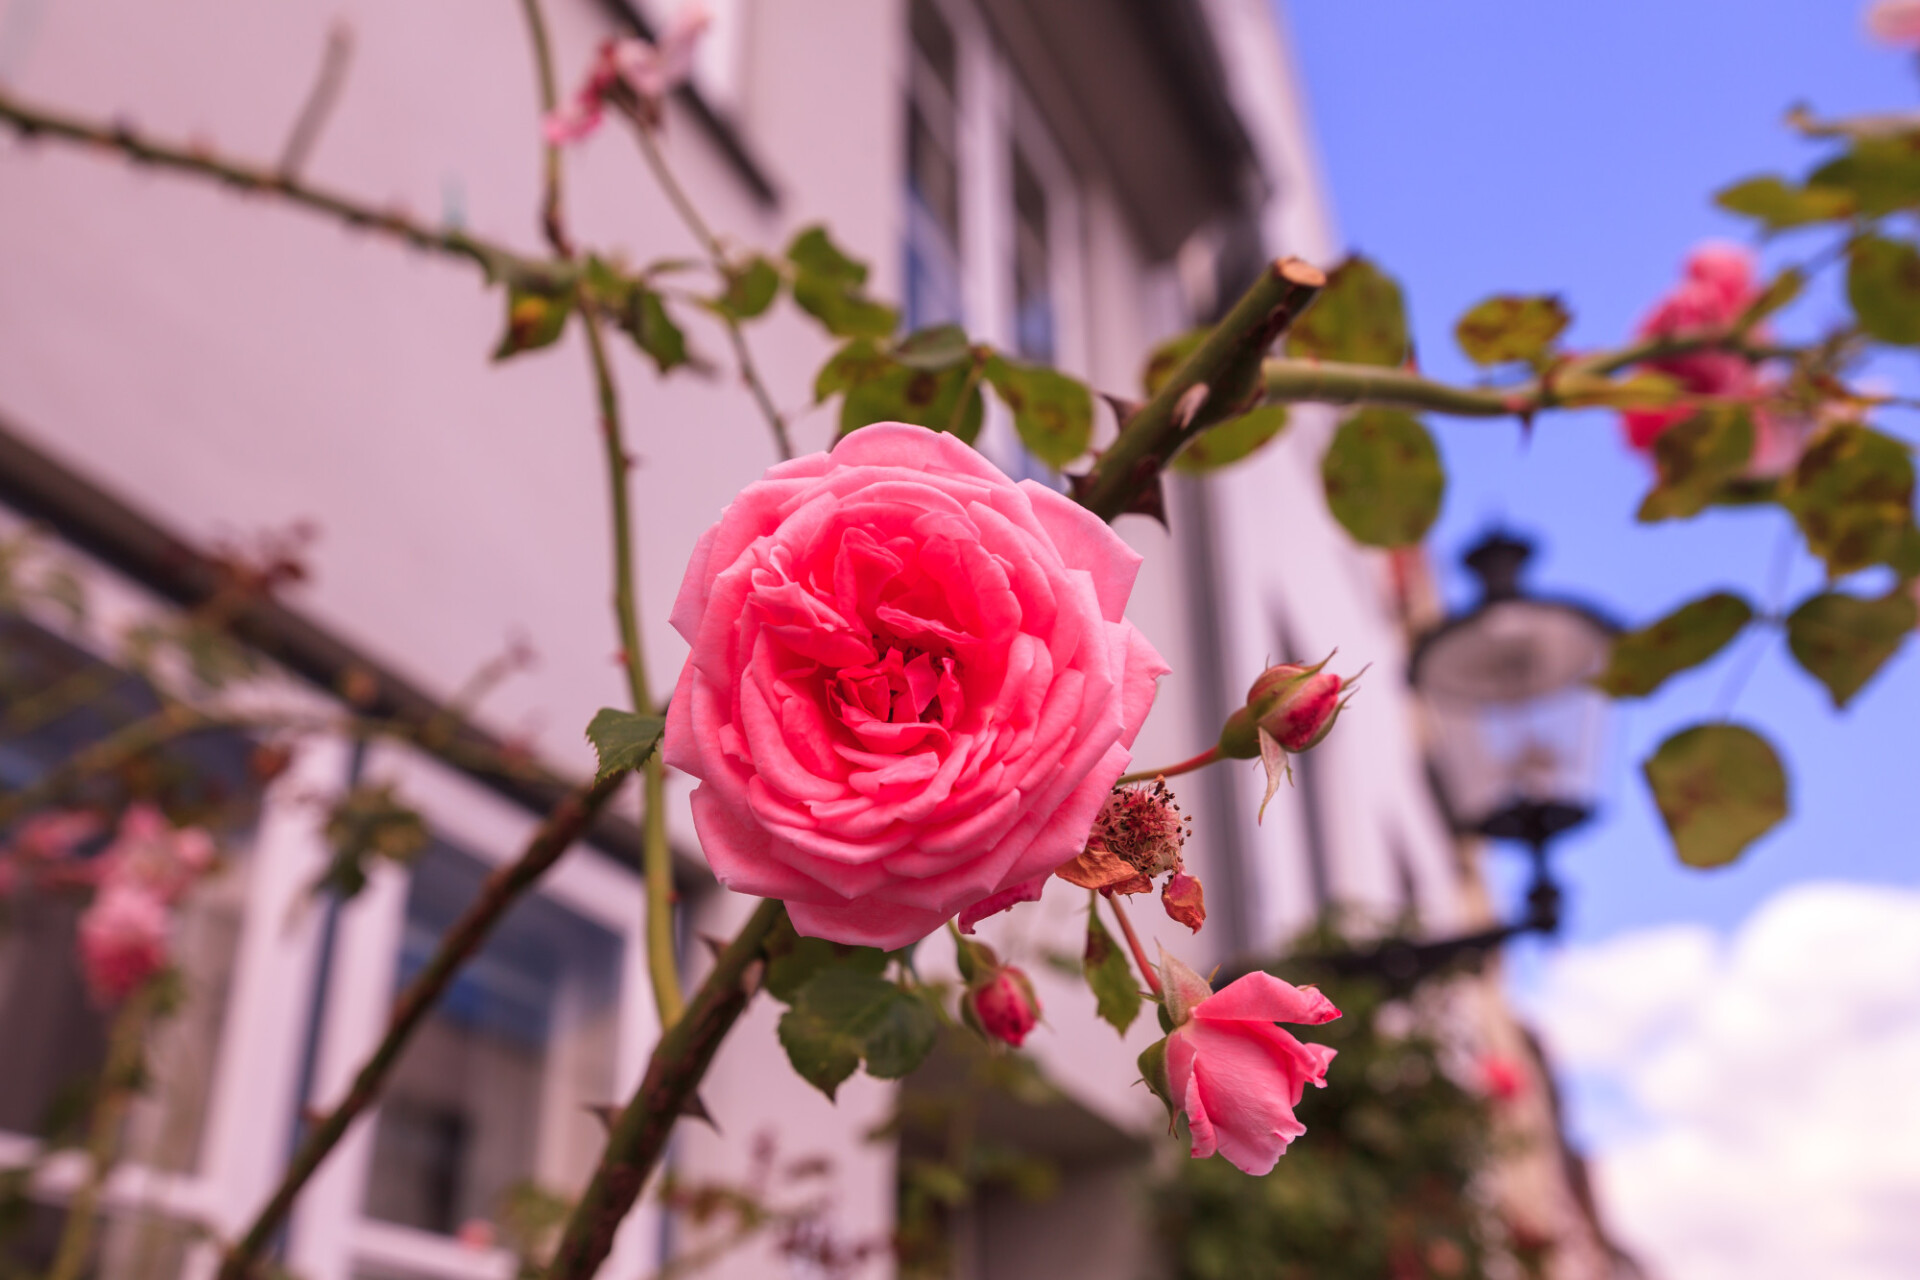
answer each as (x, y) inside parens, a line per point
(911, 686)
(1237, 1076)
(123, 940)
(1502, 1077)
(1894, 22)
(1717, 289)
(150, 852)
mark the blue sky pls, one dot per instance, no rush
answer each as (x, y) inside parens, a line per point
(1514, 145)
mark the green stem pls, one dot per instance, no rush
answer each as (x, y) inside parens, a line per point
(119, 1082)
(1147, 971)
(717, 257)
(505, 886)
(663, 961)
(496, 260)
(551, 220)
(1200, 761)
(1222, 375)
(640, 1131)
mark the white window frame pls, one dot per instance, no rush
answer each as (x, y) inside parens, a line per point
(332, 1235)
(993, 115)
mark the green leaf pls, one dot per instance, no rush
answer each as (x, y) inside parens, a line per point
(792, 961)
(1883, 285)
(940, 347)
(829, 286)
(898, 394)
(1052, 413)
(1780, 292)
(1777, 204)
(623, 739)
(1383, 478)
(369, 821)
(751, 289)
(1851, 493)
(854, 363)
(1116, 991)
(1694, 460)
(1166, 359)
(1878, 176)
(1232, 440)
(1359, 317)
(1505, 328)
(1719, 788)
(1843, 640)
(843, 1014)
(534, 320)
(646, 321)
(1643, 660)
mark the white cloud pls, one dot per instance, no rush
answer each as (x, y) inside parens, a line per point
(1753, 1105)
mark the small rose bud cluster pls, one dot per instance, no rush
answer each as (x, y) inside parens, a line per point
(1137, 838)
(645, 73)
(139, 878)
(1290, 708)
(998, 1001)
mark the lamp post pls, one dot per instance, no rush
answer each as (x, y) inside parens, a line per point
(1518, 738)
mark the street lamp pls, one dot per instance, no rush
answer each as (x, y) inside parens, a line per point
(1519, 728)
(1519, 732)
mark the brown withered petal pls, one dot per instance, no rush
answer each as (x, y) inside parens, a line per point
(1097, 868)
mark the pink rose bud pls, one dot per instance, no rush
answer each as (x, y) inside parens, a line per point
(1004, 1005)
(1502, 1077)
(1895, 22)
(1235, 1074)
(1290, 708)
(123, 940)
(1184, 901)
(912, 685)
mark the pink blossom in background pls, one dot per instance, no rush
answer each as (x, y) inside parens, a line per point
(1501, 1077)
(54, 835)
(911, 687)
(1894, 21)
(1717, 288)
(1235, 1074)
(649, 71)
(151, 852)
(123, 940)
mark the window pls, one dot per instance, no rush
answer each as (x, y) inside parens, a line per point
(933, 278)
(1032, 265)
(492, 1095)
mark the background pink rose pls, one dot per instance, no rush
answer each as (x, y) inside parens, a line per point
(911, 685)
(1716, 290)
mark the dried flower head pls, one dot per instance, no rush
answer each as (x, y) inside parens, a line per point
(1138, 836)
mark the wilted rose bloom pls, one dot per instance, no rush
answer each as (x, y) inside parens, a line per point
(1004, 1005)
(1716, 290)
(911, 685)
(1894, 21)
(123, 940)
(1235, 1074)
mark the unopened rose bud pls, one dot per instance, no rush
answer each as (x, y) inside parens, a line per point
(1293, 703)
(1003, 1005)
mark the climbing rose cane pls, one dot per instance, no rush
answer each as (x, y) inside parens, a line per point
(1235, 1074)
(911, 685)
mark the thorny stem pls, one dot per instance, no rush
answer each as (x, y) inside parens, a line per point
(717, 256)
(640, 1131)
(656, 857)
(320, 99)
(496, 260)
(551, 220)
(1147, 971)
(500, 891)
(1221, 378)
(1205, 758)
(119, 1082)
